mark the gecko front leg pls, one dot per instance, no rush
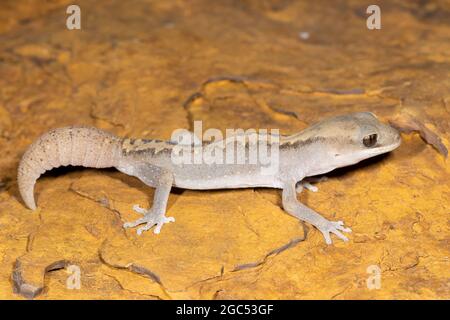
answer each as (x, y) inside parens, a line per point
(302, 212)
(162, 180)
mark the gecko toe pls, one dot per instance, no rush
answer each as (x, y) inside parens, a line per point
(327, 237)
(159, 225)
(138, 209)
(134, 223)
(140, 230)
(340, 235)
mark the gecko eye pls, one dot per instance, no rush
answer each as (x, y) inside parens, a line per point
(370, 140)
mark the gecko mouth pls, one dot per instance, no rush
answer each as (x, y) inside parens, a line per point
(388, 148)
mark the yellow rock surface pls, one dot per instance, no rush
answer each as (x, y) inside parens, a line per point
(146, 68)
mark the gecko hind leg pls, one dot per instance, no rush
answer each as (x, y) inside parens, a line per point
(156, 215)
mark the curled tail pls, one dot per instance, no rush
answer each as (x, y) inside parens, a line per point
(76, 146)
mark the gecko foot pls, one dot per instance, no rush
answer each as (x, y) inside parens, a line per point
(150, 219)
(307, 184)
(334, 227)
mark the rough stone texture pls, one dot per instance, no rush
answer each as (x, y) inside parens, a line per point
(145, 68)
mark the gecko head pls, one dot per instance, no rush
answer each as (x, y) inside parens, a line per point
(357, 136)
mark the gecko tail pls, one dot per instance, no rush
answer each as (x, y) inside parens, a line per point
(76, 146)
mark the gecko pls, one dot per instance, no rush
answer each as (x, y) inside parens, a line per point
(329, 144)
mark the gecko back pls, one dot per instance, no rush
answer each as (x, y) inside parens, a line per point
(76, 146)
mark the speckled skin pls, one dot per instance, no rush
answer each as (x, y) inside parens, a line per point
(332, 143)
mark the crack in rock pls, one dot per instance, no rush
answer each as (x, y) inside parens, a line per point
(32, 288)
(137, 269)
(274, 252)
